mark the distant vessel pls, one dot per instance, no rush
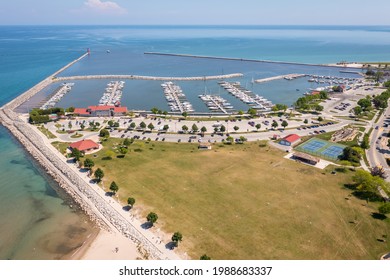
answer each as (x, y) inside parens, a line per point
(108, 51)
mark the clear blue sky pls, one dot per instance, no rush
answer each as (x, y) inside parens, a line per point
(155, 12)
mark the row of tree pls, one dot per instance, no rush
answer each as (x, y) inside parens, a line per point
(310, 102)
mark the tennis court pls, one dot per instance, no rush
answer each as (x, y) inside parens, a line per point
(322, 148)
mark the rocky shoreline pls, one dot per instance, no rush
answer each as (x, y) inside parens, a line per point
(98, 210)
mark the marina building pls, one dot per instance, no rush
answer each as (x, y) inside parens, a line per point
(101, 111)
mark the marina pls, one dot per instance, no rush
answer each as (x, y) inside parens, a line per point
(177, 100)
(216, 103)
(253, 100)
(57, 95)
(333, 80)
(113, 94)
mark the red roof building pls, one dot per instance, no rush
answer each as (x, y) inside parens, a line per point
(84, 145)
(289, 140)
(101, 111)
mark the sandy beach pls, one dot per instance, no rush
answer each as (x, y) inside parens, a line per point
(108, 246)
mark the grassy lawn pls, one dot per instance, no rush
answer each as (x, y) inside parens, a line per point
(76, 135)
(246, 202)
(46, 132)
(60, 146)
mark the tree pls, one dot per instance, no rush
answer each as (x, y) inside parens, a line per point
(152, 218)
(127, 142)
(384, 208)
(378, 76)
(194, 128)
(110, 123)
(274, 124)
(185, 114)
(123, 151)
(323, 94)
(320, 119)
(176, 238)
(230, 140)
(279, 107)
(132, 125)
(166, 127)
(131, 201)
(319, 108)
(252, 112)
(378, 171)
(204, 258)
(306, 121)
(70, 125)
(203, 129)
(236, 128)
(243, 139)
(240, 112)
(351, 154)
(88, 163)
(99, 174)
(142, 125)
(284, 124)
(258, 126)
(70, 109)
(76, 153)
(114, 187)
(364, 103)
(104, 133)
(154, 110)
(216, 129)
(222, 128)
(184, 128)
(82, 126)
(151, 126)
(366, 182)
(358, 110)
(366, 142)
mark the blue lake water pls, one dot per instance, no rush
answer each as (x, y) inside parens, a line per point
(36, 219)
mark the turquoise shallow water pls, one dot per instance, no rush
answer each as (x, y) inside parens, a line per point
(36, 220)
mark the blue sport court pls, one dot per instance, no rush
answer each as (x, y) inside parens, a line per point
(322, 148)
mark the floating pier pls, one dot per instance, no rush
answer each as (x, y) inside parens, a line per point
(57, 95)
(248, 97)
(177, 100)
(113, 94)
(216, 103)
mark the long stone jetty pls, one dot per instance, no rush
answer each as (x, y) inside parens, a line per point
(38, 87)
(149, 78)
(245, 59)
(287, 77)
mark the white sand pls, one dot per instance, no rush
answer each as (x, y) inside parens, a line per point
(103, 248)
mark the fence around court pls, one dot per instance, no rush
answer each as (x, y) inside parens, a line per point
(321, 148)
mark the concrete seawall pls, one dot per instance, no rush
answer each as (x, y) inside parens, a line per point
(149, 78)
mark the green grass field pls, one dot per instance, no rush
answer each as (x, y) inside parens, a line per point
(246, 202)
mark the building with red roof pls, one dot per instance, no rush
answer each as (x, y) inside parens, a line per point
(290, 140)
(84, 145)
(101, 111)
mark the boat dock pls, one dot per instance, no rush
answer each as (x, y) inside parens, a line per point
(248, 97)
(216, 103)
(333, 80)
(177, 101)
(288, 77)
(57, 95)
(113, 94)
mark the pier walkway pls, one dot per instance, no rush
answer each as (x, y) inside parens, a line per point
(151, 78)
(287, 77)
